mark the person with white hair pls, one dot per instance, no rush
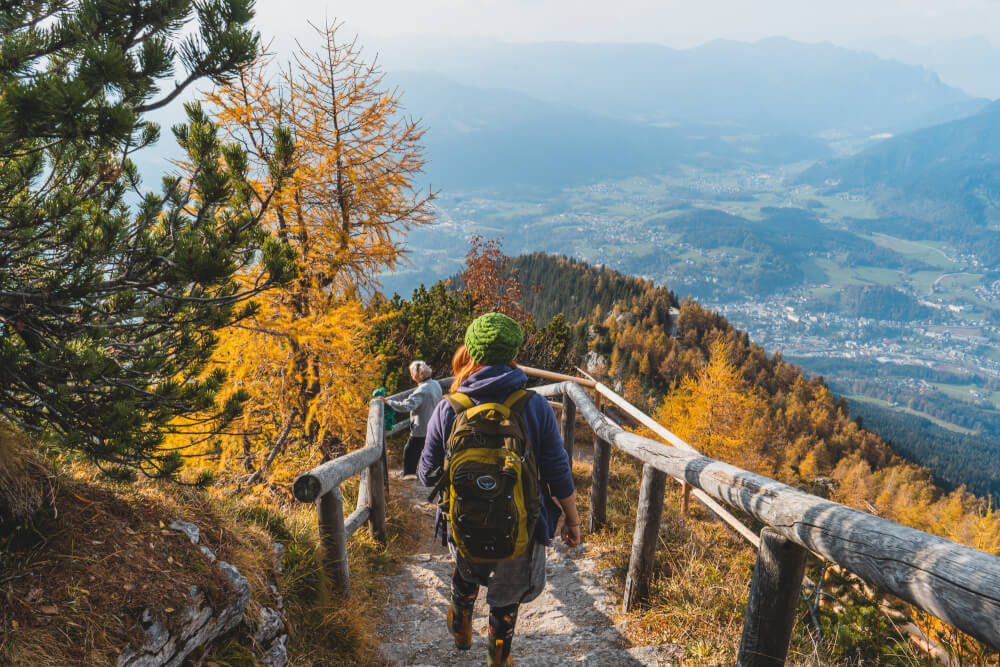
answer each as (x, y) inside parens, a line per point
(420, 404)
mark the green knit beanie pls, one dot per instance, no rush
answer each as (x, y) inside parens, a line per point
(493, 339)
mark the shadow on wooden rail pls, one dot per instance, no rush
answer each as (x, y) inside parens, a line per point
(955, 583)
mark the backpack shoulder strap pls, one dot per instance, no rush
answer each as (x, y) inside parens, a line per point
(516, 401)
(459, 402)
(512, 405)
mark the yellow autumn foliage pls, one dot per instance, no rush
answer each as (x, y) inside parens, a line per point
(720, 415)
(303, 357)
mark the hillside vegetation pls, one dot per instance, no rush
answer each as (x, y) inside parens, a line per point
(939, 182)
(803, 433)
(172, 358)
(731, 401)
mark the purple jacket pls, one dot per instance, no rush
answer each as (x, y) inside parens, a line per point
(494, 384)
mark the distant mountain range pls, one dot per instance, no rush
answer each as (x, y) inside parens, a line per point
(774, 85)
(941, 179)
(555, 115)
(495, 138)
(969, 64)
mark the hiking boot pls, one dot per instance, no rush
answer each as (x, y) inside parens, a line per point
(496, 650)
(460, 625)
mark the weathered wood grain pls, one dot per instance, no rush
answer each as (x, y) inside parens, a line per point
(558, 377)
(568, 426)
(333, 537)
(599, 484)
(549, 390)
(356, 520)
(401, 426)
(323, 478)
(774, 598)
(955, 583)
(376, 520)
(378, 472)
(647, 533)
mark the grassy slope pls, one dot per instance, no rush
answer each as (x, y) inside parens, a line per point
(702, 577)
(107, 555)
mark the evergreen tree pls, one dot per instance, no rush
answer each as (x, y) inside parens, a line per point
(109, 296)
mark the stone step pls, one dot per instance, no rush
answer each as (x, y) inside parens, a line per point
(643, 656)
(573, 621)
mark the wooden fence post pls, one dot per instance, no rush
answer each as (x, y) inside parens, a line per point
(376, 501)
(568, 425)
(685, 498)
(647, 533)
(599, 484)
(774, 598)
(330, 514)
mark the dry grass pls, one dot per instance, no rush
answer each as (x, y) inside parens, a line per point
(702, 571)
(26, 483)
(75, 592)
(74, 582)
(699, 590)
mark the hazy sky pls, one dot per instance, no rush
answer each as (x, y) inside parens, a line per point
(672, 22)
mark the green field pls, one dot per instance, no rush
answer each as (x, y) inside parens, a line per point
(962, 392)
(838, 275)
(940, 422)
(816, 274)
(915, 250)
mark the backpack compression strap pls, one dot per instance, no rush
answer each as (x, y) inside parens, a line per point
(460, 403)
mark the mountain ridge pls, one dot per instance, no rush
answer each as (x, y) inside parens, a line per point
(772, 84)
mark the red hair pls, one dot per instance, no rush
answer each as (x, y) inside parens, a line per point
(462, 366)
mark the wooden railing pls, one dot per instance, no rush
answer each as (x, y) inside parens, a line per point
(954, 583)
(322, 486)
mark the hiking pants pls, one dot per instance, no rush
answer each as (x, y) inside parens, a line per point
(411, 454)
(508, 582)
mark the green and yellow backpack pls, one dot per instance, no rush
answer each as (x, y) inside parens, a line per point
(489, 483)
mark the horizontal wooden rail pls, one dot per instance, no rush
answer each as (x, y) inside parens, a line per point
(955, 583)
(725, 515)
(323, 478)
(676, 441)
(400, 427)
(558, 377)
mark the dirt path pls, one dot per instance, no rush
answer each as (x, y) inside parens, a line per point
(571, 623)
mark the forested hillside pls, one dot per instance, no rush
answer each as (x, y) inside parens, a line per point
(935, 183)
(788, 426)
(953, 458)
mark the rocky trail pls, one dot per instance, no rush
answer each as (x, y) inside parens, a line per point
(571, 623)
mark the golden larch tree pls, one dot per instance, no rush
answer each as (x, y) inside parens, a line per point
(720, 415)
(302, 358)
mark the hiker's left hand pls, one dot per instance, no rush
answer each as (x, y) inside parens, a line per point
(570, 534)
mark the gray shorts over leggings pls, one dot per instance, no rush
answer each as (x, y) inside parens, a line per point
(508, 582)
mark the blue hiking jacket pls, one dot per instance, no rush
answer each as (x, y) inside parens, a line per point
(493, 384)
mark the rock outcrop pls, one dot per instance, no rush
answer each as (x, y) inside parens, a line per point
(199, 624)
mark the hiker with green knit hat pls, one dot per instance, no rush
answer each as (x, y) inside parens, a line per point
(509, 563)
